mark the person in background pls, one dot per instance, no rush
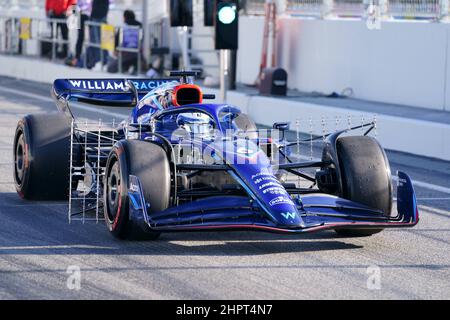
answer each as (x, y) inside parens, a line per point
(84, 9)
(59, 9)
(128, 37)
(99, 14)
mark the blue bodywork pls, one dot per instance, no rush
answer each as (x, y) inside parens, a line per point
(267, 206)
(312, 213)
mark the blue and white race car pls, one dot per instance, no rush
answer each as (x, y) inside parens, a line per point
(178, 164)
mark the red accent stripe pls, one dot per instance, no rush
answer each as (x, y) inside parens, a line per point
(26, 160)
(275, 229)
(116, 219)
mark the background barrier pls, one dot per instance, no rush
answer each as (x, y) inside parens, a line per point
(389, 9)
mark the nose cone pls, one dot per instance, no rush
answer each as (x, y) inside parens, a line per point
(254, 168)
(272, 196)
(285, 211)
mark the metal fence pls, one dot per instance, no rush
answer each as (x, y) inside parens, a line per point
(390, 9)
(254, 7)
(8, 35)
(348, 8)
(315, 8)
(41, 31)
(119, 49)
(414, 8)
(41, 38)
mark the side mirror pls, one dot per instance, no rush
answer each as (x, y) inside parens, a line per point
(281, 126)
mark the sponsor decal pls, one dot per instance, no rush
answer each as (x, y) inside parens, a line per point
(270, 184)
(288, 215)
(274, 190)
(259, 180)
(264, 173)
(120, 85)
(99, 85)
(280, 200)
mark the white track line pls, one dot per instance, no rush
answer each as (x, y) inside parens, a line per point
(55, 247)
(421, 184)
(433, 199)
(34, 205)
(435, 210)
(427, 185)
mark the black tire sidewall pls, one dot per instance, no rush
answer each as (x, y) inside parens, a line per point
(123, 227)
(22, 187)
(117, 226)
(46, 172)
(371, 187)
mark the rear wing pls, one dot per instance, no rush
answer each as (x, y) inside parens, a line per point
(111, 92)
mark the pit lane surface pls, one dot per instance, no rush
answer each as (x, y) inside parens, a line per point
(37, 245)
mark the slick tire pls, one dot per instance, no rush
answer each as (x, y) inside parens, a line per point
(147, 161)
(366, 177)
(41, 157)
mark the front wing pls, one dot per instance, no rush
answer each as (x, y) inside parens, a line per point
(318, 212)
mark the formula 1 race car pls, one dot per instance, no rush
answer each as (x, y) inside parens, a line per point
(178, 164)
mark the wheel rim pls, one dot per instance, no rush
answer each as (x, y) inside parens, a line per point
(113, 191)
(19, 160)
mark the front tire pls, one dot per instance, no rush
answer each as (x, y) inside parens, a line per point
(366, 177)
(147, 161)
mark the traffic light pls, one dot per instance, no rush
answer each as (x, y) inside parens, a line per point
(226, 18)
(181, 13)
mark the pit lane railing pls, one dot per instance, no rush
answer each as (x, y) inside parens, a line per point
(17, 32)
(32, 36)
(107, 43)
(435, 10)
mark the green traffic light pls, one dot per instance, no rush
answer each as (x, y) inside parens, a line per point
(227, 14)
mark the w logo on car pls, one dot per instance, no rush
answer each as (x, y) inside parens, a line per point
(288, 215)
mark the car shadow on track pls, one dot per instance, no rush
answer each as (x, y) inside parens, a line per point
(161, 247)
(43, 228)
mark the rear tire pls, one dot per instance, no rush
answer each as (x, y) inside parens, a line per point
(147, 161)
(366, 177)
(41, 157)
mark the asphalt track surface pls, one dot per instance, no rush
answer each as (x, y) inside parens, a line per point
(37, 244)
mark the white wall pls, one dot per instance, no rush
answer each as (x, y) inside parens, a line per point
(157, 9)
(203, 40)
(403, 63)
(250, 47)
